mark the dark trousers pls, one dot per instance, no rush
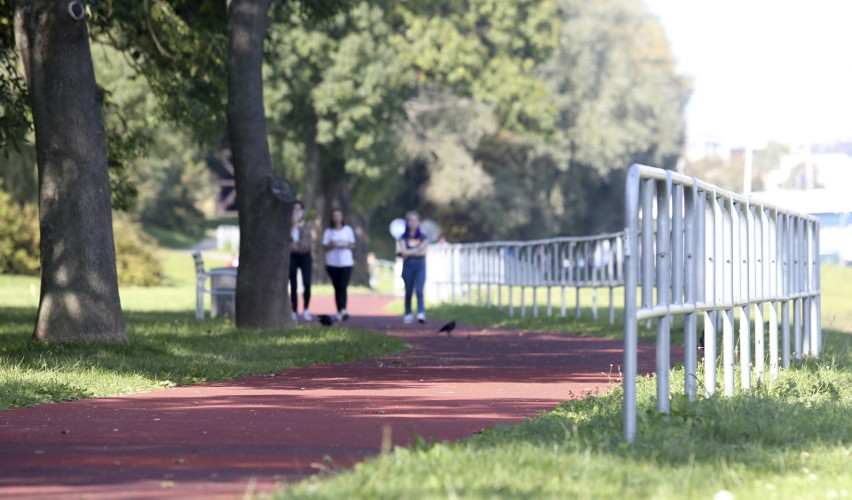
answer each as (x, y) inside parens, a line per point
(340, 280)
(300, 261)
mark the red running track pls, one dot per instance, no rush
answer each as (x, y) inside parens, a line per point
(223, 439)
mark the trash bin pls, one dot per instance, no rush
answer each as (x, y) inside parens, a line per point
(223, 290)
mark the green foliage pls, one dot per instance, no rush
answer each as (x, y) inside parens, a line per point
(19, 174)
(14, 102)
(19, 251)
(614, 99)
(621, 101)
(156, 161)
(174, 204)
(485, 50)
(135, 254)
(337, 87)
(180, 48)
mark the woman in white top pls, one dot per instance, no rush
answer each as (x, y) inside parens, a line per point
(338, 240)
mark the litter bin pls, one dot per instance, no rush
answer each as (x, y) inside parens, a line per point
(223, 290)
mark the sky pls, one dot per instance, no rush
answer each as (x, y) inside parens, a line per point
(764, 70)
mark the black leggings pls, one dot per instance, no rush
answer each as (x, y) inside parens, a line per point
(340, 280)
(300, 261)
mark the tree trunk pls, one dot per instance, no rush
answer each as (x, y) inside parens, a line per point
(264, 201)
(79, 286)
(312, 163)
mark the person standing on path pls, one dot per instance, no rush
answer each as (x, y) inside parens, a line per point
(301, 244)
(412, 246)
(338, 241)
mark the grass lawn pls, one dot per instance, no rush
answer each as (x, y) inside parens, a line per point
(790, 438)
(167, 346)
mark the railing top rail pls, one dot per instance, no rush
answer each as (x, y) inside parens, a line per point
(644, 171)
(516, 243)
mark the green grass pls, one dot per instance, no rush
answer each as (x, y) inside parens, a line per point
(167, 345)
(789, 438)
(792, 439)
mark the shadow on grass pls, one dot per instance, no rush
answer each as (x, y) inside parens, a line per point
(166, 349)
(28, 393)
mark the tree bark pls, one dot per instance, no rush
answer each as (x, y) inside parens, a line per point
(312, 162)
(264, 201)
(79, 286)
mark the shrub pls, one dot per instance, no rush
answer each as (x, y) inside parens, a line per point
(19, 252)
(135, 254)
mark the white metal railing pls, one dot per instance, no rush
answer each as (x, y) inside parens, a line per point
(695, 249)
(480, 272)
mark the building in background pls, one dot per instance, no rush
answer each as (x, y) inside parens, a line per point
(817, 180)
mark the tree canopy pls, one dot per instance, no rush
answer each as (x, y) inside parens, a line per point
(497, 119)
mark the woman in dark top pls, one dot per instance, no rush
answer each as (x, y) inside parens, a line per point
(412, 248)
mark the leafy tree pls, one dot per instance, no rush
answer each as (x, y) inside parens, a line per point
(79, 287)
(14, 108)
(350, 86)
(164, 170)
(617, 100)
(337, 90)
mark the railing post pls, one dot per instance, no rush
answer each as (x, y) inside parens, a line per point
(631, 275)
(690, 321)
(759, 279)
(742, 294)
(728, 361)
(713, 290)
(663, 275)
(815, 287)
(647, 248)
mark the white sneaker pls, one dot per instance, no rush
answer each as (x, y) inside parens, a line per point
(408, 319)
(295, 317)
(421, 318)
(343, 316)
(307, 316)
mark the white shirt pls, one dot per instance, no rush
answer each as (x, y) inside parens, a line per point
(339, 257)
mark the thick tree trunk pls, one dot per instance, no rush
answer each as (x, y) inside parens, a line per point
(264, 201)
(79, 286)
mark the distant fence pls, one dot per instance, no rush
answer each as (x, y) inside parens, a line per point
(698, 249)
(479, 273)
